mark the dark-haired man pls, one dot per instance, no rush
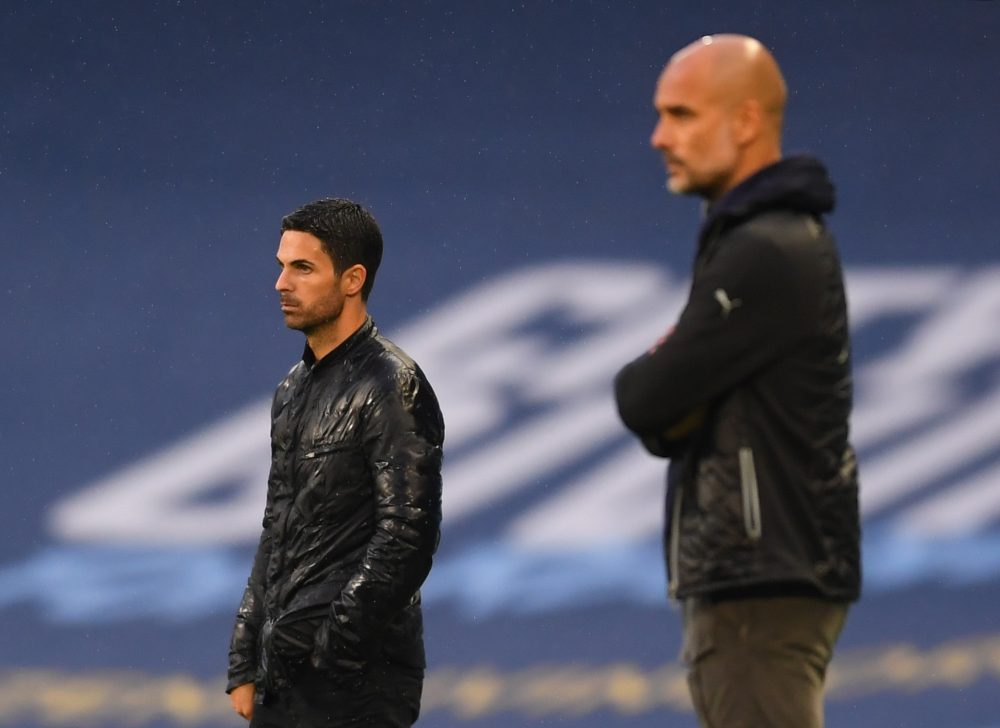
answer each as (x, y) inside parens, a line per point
(750, 397)
(329, 631)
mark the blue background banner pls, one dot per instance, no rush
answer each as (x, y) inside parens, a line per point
(147, 154)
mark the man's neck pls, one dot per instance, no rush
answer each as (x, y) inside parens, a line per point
(753, 162)
(329, 338)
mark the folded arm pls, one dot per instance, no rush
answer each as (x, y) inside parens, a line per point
(742, 312)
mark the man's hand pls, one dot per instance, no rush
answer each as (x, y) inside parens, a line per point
(242, 700)
(662, 340)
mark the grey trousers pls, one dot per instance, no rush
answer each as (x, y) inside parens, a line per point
(760, 662)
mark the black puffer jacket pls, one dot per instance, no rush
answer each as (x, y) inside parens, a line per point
(762, 490)
(351, 521)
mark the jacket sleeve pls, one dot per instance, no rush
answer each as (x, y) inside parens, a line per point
(243, 658)
(403, 433)
(746, 306)
(249, 617)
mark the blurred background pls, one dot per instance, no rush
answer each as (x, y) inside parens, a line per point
(147, 154)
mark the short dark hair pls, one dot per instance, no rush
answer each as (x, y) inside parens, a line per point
(349, 234)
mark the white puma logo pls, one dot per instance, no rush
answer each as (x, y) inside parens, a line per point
(727, 304)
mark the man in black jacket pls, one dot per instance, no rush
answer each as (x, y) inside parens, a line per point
(329, 631)
(749, 396)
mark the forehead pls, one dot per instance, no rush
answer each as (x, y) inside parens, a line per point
(297, 245)
(683, 82)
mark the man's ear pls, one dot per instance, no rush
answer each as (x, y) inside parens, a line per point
(353, 280)
(748, 121)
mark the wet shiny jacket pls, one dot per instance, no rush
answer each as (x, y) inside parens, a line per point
(750, 397)
(351, 520)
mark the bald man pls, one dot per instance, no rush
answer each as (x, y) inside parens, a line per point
(749, 397)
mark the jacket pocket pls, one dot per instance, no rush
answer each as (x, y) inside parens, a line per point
(292, 634)
(750, 493)
(321, 450)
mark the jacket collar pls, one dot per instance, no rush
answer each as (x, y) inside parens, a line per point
(345, 347)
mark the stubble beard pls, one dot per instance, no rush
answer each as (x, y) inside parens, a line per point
(312, 322)
(683, 185)
(676, 186)
(704, 185)
(681, 182)
(709, 176)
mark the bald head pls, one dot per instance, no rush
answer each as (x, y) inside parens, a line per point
(736, 68)
(720, 103)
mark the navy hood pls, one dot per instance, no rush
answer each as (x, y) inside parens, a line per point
(798, 183)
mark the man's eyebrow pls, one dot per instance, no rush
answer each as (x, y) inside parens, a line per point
(297, 261)
(676, 108)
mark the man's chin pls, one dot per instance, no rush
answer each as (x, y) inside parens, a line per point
(294, 323)
(679, 186)
(679, 180)
(688, 188)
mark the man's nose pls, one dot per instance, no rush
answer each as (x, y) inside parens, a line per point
(282, 283)
(661, 138)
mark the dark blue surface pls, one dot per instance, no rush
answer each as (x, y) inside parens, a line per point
(147, 153)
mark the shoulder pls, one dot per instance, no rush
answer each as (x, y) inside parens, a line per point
(777, 243)
(786, 231)
(385, 360)
(287, 387)
(399, 392)
(392, 370)
(294, 376)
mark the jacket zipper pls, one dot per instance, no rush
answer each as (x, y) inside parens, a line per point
(751, 495)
